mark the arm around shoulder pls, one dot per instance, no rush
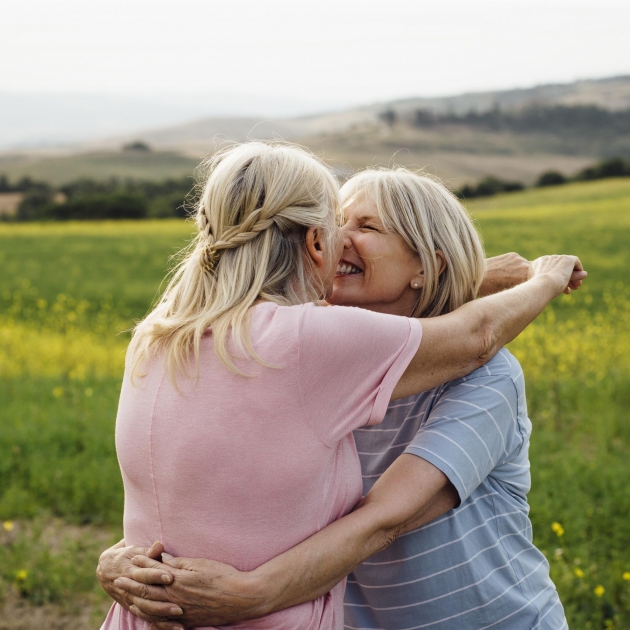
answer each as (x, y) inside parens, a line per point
(456, 344)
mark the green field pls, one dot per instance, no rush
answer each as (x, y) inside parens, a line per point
(68, 290)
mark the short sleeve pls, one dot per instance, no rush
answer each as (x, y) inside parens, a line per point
(470, 431)
(349, 363)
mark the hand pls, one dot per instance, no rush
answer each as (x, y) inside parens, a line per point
(504, 272)
(115, 562)
(565, 272)
(209, 593)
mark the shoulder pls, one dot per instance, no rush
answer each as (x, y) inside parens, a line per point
(503, 364)
(501, 377)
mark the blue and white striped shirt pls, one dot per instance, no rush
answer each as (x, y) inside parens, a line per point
(475, 567)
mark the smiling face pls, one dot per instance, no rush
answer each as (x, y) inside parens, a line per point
(378, 270)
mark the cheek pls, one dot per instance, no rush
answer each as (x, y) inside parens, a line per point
(385, 281)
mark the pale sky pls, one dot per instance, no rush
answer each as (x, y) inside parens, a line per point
(329, 52)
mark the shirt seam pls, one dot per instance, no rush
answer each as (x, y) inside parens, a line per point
(151, 459)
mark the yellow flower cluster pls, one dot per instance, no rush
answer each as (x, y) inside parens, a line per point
(32, 351)
(591, 345)
(558, 529)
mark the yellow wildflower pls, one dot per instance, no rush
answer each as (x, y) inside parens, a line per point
(21, 575)
(558, 529)
(599, 590)
(58, 392)
(578, 572)
(626, 575)
(8, 526)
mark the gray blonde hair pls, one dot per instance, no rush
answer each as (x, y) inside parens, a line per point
(257, 203)
(428, 217)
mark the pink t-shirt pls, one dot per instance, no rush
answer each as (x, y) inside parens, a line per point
(241, 469)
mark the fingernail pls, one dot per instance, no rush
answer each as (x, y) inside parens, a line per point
(134, 609)
(167, 556)
(175, 610)
(118, 582)
(166, 579)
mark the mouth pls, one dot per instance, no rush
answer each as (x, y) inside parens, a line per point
(345, 268)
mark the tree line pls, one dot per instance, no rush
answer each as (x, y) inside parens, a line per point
(88, 199)
(114, 198)
(488, 186)
(583, 120)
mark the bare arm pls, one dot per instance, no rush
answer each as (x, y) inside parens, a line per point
(412, 492)
(456, 344)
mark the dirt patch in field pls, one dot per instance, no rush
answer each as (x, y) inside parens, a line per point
(9, 202)
(18, 615)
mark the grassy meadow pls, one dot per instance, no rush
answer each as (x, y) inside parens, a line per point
(68, 291)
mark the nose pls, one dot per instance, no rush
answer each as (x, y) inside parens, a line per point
(347, 241)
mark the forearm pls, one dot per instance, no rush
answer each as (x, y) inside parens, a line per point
(411, 493)
(456, 344)
(315, 566)
(498, 319)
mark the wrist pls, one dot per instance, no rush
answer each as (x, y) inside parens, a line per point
(260, 590)
(548, 283)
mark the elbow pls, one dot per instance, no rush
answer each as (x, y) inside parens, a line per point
(486, 342)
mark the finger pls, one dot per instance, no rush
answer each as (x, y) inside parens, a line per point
(156, 550)
(145, 591)
(120, 544)
(156, 609)
(578, 264)
(148, 571)
(138, 613)
(178, 563)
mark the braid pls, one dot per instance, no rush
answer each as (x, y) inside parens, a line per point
(208, 255)
(233, 237)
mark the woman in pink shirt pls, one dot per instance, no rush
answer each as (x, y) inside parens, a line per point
(240, 393)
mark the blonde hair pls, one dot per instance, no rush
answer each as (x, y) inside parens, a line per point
(257, 203)
(428, 217)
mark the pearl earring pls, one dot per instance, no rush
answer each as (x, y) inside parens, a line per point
(415, 285)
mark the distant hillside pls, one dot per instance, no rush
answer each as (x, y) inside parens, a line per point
(35, 121)
(99, 165)
(608, 94)
(513, 134)
(611, 93)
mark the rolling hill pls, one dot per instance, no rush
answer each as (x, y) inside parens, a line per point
(455, 146)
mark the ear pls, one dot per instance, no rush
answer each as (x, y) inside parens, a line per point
(314, 247)
(417, 281)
